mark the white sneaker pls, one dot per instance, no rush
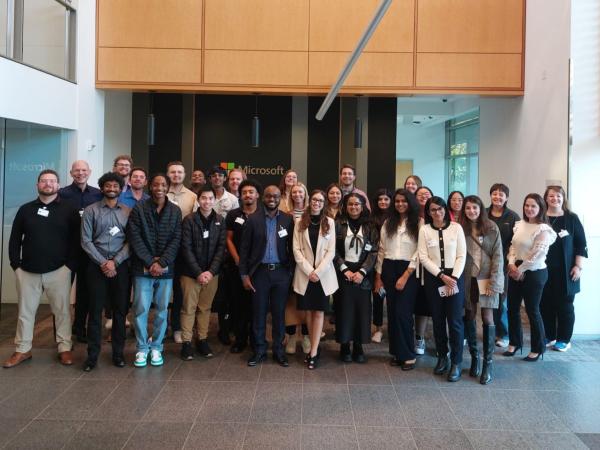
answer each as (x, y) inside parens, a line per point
(377, 336)
(108, 324)
(306, 344)
(177, 337)
(420, 346)
(156, 358)
(550, 343)
(290, 347)
(501, 343)
(141, 359)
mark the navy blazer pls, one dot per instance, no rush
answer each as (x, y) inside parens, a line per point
(254, 241)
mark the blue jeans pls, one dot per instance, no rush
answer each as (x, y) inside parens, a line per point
(147, 290)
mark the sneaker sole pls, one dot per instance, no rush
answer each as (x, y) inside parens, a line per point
(562, 349)
(140, 364)
(158, 363)
(419, 351)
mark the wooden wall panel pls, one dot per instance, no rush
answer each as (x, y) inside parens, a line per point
(150, 23)
(470, 26)
(336, 25)
(257, 24)
(141, 65)
(255, 67)
(372, 69)
(455, 70)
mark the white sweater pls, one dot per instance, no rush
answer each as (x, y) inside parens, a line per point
(454, 245)
(530, 244)
(401, 247)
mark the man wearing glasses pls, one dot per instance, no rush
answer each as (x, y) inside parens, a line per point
(122, 165)
(266, 267)
(43, 250)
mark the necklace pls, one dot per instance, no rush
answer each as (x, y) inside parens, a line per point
(553, 220)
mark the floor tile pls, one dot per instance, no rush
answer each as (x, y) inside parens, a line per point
(419, 376)
(326, 404)
(553, 441)
(159, 436)
(426, 406)
(216, 436)
(179, 401)
(376, 406)
(228, 402)
(330, 372)
(197, 369)
(163, 372)
(9, 427)
(592, 440)
(272, 437)
(383, 438)
(495, 439)
(33, 399)
(101, 435)
(475, 408)
(44, 434)
(80, 400)
(129, 401)
(526, 411)
(441, 439)
(277, 403)
(370, 373)
(328, 438)
(235, 368)
(270, 372)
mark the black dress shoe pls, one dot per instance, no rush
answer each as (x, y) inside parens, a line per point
(256, 359)
(358, 355)
(395, 362)
(88, 366)
(443, 363)
(237, 347)
(281, 360)
(345, 354)
(119, 361)
(406, 366)
(223, 337)
(455, 372)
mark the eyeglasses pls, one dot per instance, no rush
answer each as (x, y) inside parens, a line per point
(317, 200)
(435, 210)
(122, 165)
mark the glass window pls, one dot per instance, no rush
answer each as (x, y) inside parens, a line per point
(3, 26)
(45, 36)
(462, 153)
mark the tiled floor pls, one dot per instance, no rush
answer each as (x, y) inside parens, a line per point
(222, 403)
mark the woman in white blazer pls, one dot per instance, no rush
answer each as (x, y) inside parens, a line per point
(314, 278)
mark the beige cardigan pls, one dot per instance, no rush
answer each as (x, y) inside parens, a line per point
(306, 262)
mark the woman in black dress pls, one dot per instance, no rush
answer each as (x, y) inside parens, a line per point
(314, 278)
(565, 262)
(357, 240)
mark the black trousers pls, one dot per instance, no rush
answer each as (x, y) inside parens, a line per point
(529, 290)
(272, 288)
(446, 310)
(177, 296)
(557, 309)
(400, 307)
(107, 291)
(377, 309)
(82, 294)
(241, 306)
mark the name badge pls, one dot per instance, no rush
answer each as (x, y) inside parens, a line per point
(563, 233)
(282, 233)
(205, 234)
(368, 247)
(239, 220)
(81, 213)
(114, 230)
(43, 212)
(431, 243)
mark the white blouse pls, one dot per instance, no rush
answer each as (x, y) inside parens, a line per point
(530, 244)
(454, 249)
(400, 247)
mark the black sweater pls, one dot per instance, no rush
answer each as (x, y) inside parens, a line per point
(200, 254)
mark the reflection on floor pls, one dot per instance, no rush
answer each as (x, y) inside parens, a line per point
(222, 403)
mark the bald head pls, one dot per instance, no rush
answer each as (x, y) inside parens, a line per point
(80, 172)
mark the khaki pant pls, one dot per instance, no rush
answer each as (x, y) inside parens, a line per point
(197, 301)
(57, 286)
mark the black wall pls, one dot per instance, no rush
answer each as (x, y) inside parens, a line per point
(223, 129)
(323, 144)
(381, 170)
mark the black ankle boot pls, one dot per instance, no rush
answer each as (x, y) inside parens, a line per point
(471, 337)
(358, 355)
(455, 372)
(442, 365)
(487, 374)
(345, 354)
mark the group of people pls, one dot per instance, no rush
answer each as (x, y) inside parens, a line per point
(296, 255)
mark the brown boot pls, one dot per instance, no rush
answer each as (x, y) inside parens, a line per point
(16, 359)
(65, 358)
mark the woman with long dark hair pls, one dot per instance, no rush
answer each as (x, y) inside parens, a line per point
(484, 281)
(442, 251)
(396, 264)
(314, 278)
(381, 209)
(565, 263)
(357, 240)
(455, 204)
(528, 275)
(334, 200)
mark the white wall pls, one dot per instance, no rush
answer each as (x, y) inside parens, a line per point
(117, 126)
(425, 147)
(585, 153)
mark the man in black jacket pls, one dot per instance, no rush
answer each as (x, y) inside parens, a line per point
(202, 250)
(266, 267)
(154, 235)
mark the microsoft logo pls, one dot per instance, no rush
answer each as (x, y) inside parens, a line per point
(227, 165)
